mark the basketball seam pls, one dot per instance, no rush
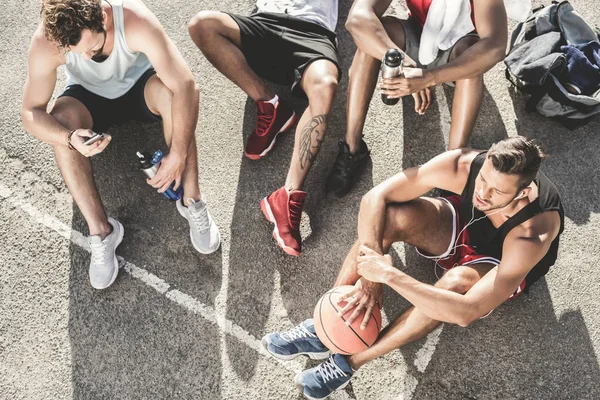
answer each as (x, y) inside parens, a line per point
(323, 326)
(334, 290)
(351, 328)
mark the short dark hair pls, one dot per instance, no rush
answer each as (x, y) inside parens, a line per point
(517, 156)
(64, 20)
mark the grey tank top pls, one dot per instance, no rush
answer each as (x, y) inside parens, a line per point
(118, 73)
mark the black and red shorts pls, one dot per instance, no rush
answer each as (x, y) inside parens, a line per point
(460, 252)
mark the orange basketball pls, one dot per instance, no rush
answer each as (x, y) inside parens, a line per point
(332, 329)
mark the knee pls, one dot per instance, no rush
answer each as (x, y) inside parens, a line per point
(67, 117)
(463, 45)
(457, 279)
(395, 30)
(160, 97)
(324, 84)
(202, 25)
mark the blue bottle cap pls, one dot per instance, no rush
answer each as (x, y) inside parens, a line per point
(157, 157)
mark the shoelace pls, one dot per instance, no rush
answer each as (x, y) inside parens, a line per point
(296, 333)
(200, 217)
(262, 122)
(98, 250)
(295, 213)
(329, 370)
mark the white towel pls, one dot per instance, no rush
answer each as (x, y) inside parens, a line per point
(449, 20)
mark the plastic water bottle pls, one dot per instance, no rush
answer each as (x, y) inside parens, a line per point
(391, 67)
(150, 164)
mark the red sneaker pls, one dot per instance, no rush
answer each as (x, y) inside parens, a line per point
(270, 121)
(284, 209)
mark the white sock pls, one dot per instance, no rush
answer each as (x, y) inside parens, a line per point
(274, 100)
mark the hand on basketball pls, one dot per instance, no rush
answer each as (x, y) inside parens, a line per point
(364, 297)
(170, 170)
(80, 136)
(374, 266)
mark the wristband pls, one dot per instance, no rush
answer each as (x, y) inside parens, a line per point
(69, 140)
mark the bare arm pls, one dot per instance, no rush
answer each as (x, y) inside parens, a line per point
(520, 255)
(364, 24)
(447, 171)
(43, 60)
(492, 27)
(146, 34)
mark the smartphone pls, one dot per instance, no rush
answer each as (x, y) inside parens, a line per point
(94, 139)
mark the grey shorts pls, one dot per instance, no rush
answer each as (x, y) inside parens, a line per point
(412, 35)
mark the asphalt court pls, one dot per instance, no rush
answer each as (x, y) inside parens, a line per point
(177, 324)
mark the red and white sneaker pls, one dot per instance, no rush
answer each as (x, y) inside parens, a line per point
(271, 120)
(284, 209)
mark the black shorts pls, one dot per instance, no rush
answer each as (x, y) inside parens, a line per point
(108, 112)
(279, 47)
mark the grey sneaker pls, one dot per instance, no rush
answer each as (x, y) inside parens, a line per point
(104, 266)
(204, 233)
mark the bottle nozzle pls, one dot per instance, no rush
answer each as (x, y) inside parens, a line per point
(140, 155)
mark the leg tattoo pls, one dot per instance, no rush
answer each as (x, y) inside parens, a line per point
(309, 148)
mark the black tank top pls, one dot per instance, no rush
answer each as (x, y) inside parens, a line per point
(487, 239)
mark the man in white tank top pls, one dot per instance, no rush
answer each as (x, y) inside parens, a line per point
(120, 66)
(290, 42)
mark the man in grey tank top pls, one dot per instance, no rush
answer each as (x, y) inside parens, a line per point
(111, 51)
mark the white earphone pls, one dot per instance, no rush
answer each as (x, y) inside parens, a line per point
(520, 196)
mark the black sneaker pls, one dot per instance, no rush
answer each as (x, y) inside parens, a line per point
(346, 169)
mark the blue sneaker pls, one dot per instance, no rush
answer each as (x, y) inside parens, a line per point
(319, 382)
(301, 340)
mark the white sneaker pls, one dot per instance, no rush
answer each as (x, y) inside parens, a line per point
(104, 266)
(204, 233)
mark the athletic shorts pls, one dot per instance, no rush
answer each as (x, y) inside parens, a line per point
(108, 112)
(279, 47)
(412, 34)
(459, 250)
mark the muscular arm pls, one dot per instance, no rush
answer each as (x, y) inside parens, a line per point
(43, 60)
(447, 171)
(520, 255)
(145, 34)
(492, 27)
(364, 24)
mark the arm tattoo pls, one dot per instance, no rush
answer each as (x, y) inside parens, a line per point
(309, 147)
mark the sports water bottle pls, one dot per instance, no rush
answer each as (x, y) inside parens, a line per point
(150, 165)
(391, 67)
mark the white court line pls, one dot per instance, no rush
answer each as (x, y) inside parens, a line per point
(162, 287)
(426, 352)
(207, 312)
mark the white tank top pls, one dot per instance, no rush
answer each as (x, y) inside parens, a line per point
(322, 12)
(118, 73)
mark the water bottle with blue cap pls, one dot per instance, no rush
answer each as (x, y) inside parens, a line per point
(150, 164)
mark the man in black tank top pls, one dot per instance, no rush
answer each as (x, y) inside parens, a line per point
(494, 239)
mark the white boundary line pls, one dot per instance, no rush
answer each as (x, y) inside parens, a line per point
(226, 326)
(148, 278)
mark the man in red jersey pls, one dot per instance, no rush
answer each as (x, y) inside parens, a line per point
(462, 65)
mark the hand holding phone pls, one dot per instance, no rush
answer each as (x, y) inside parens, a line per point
(94, 139)
(88, 142)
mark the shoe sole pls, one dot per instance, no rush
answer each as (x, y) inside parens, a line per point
(314, 356)
(266, 209)
(284, 128)
(192, 238)
(298, 383)
(116, 273)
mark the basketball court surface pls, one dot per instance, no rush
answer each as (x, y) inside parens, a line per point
(180, 325)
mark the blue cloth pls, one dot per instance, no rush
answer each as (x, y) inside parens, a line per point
(583, 66)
